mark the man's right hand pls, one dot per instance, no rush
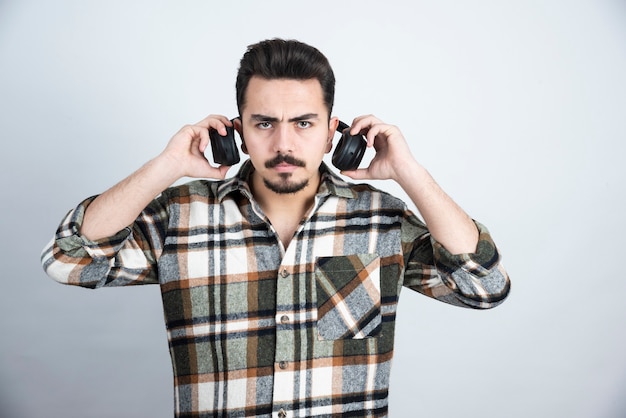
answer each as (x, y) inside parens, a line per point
(185, 151)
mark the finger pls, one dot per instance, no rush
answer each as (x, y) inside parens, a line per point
(217, 122)
(382, 131)
(206, 170)
(204, 140)
(362, 124)
(373, 132)
(212, 118)
(195, 138)
(218, 173)
(223, 170)
(359, 174)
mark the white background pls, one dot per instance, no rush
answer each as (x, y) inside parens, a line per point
(517, 108)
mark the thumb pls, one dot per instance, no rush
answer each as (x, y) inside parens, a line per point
(360, 174)
(224, 170)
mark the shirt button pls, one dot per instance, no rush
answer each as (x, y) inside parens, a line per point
(282, 365)
(284, 273)
(284, 319)
(282, 413)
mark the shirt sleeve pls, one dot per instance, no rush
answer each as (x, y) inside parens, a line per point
(473, 280)
(127, 258)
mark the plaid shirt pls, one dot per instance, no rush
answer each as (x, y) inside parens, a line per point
(259, 330)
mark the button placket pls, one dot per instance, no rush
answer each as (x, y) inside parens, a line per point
(284, 354)
(284, 319)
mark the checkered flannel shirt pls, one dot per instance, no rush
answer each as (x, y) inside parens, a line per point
(259, 330)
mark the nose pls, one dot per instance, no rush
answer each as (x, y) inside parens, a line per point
(283, 139)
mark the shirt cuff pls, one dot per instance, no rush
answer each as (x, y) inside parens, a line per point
(70, 240)
(479, 263)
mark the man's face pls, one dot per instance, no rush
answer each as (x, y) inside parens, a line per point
(286, 131)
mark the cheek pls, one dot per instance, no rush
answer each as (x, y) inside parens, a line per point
(254, 146)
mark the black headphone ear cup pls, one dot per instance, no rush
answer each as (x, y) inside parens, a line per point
(349, 151)
(224, 148)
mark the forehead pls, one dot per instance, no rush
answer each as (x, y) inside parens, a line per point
(284, 96)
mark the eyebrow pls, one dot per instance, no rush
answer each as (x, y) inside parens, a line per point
(265, 118)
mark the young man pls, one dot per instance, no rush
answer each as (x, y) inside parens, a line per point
(280, 284)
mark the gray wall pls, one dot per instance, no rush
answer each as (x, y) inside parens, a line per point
(517, 109)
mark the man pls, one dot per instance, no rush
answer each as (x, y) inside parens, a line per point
(280, 284)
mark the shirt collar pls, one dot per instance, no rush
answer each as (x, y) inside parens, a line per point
(331, 183)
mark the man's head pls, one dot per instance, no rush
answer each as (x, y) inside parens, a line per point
(285, 59)
(285, 93)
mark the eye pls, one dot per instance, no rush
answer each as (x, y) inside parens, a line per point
(264, 125)
(304, 124)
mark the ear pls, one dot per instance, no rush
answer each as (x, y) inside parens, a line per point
(239, 128)
(332, 128)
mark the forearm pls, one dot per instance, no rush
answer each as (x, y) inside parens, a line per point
(447, 222)
(119, 206)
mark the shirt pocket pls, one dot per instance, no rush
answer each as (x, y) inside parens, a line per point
(348, 296)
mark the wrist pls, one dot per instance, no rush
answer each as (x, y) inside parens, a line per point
(410, 173)
(162, 171)
(165, 169)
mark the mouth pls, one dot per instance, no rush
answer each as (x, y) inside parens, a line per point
(285, 167)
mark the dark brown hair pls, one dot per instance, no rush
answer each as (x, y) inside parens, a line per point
(289, 59)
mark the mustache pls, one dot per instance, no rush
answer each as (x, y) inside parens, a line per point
(284, 158)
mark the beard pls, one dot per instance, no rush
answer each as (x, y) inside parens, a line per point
(285, 185)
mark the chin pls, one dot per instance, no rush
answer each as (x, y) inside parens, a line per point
(286, 187)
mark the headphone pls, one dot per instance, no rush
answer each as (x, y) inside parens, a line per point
(347, 156)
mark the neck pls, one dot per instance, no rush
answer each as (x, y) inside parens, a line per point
(289, 204)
